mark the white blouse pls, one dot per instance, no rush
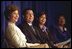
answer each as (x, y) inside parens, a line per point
(14, 36)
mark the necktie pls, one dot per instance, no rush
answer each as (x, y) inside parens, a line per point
(33, 29)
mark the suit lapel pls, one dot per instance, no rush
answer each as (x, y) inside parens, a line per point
(29, 29)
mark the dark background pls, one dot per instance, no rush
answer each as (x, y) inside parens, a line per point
(52, 8)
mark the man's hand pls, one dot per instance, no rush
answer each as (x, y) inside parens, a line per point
(58, 45)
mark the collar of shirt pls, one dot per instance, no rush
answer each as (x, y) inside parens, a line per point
(30, 24)
(11, 23)
(43, 28)
(63, 28)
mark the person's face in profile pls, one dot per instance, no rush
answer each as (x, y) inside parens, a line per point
(29, 16)
(14, 16)
(42, 19)
(61, 20)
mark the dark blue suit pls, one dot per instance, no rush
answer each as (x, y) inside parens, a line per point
(58, 35)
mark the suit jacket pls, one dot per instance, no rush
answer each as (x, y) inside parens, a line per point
(60, 36)
(31, 36)
(46, 37)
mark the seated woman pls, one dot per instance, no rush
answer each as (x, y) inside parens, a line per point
(15, 38)
(45, 35)
(60, 32)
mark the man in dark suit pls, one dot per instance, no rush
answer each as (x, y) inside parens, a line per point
(27, 27)
(60, 32)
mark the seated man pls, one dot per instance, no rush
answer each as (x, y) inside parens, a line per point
(60, 32)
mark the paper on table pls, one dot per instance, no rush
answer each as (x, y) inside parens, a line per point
(31, 44)
(63, 43)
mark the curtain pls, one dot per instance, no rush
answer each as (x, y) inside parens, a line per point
(52, 8)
